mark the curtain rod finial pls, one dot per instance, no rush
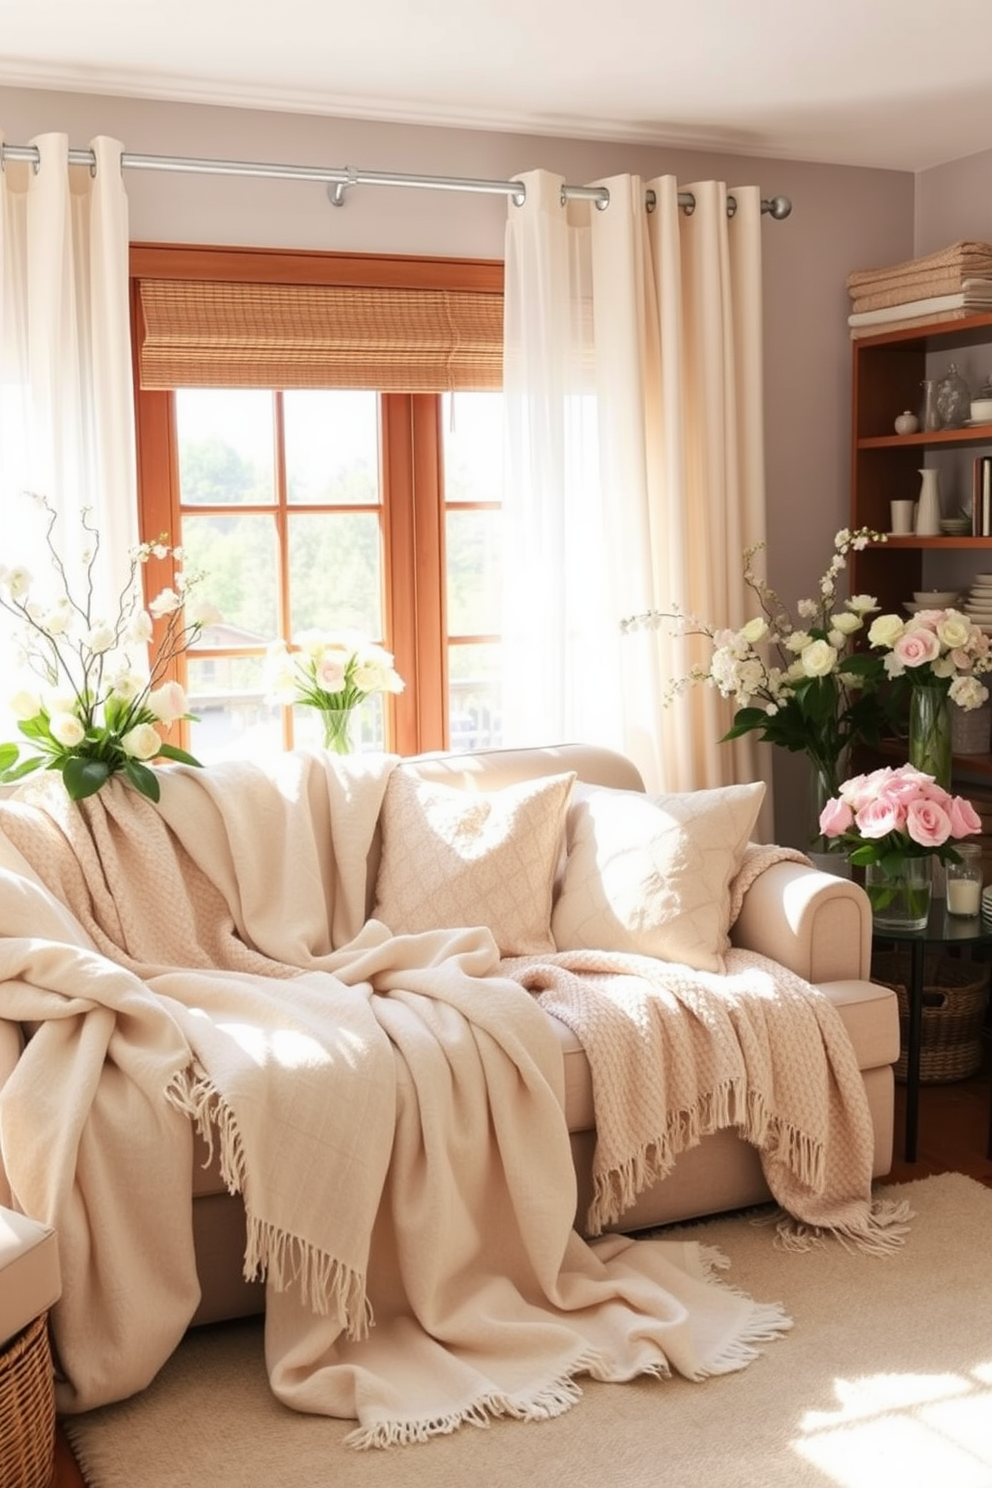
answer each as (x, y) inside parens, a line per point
(779, 207)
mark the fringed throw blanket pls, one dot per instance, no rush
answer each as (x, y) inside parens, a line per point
(389, 1107)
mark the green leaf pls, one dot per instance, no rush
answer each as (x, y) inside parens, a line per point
(142, 778)
(170, 751)
(26, 767)
(8, 754)
(84, 777)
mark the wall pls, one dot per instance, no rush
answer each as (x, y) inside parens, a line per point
(954, 203)
(843, 218)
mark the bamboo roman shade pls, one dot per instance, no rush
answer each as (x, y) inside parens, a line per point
(206, 333)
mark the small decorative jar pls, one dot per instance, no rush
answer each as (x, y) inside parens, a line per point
(964, 880)
(907, 423)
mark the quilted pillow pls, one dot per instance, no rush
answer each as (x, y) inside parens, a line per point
(652, 874)
(453, 858)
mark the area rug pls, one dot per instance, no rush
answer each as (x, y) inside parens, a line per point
(885, 1381)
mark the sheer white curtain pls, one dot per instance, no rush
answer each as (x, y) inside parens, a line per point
(635, 476)
(66, 401)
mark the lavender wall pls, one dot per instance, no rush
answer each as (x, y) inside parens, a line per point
(843, 218)
(954, 203)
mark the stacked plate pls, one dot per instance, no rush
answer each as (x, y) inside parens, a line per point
(978, 604)
(955, 526)
(987, 902)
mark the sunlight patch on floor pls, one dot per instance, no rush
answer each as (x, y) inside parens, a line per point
(909, 1430)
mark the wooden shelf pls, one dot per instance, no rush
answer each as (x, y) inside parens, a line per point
(887, 372)
(929, 439)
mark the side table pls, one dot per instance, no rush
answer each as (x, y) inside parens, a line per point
(942, 929)
(29, 1285)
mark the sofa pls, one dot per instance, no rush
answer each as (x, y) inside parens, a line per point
(812, 923)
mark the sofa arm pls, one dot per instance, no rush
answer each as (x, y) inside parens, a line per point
(11, 1044)
(816, 924)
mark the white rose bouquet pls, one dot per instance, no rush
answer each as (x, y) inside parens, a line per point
(798, 682)
(94, 707)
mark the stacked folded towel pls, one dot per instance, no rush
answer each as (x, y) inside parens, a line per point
(947, 285)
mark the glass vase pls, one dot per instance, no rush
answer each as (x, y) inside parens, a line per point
(930, 732)
(824, 784)
(338, 729)
(900, 900)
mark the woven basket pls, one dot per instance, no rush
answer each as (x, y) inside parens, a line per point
(955, 994)
(27, 1409)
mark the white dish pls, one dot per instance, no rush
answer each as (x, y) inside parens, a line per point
(936, 599)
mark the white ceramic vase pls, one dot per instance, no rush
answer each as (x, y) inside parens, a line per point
(928, 505)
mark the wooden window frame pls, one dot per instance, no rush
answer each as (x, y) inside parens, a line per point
(411, 456)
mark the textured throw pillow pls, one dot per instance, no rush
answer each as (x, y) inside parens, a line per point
(652, 874)
(454, 858)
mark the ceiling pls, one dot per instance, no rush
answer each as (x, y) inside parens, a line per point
(898, 84)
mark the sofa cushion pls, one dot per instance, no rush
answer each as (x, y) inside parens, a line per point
(652, 874)
(455, 858)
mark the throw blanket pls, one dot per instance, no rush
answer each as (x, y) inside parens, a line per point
(390, 1108)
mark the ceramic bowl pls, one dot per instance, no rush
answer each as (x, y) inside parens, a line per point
(981, 410)
(935, 599)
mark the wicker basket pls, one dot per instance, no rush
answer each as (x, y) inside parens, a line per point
(27, 1409)
(955, 994)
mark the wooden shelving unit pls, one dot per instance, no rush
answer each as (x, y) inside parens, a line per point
(887, 373)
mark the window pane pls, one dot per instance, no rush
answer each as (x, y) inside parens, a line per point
(473, 446)
(227, 694)
(335, 563)
(225, 440)
(473, 683)
(239, 556)
(472, 541)
(332, 447)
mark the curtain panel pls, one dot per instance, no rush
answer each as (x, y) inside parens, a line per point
(66, 400)
(633, 387)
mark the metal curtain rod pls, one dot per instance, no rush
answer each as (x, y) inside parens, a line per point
(340, 178)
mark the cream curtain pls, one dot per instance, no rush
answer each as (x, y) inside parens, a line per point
(635, 477)
(66, 401)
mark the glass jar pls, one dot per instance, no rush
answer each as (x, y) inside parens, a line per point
(953, 399)
(964, 880)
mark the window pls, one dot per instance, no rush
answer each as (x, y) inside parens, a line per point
(313, 499)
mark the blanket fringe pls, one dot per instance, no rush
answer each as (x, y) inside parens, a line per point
(883, 1230)
(327, 1286)
(728, 1105)
(551, 1400)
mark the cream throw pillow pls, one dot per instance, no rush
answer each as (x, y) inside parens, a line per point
(453, 858)
(652, 874)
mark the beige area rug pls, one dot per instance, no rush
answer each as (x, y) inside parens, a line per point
(885, 1381)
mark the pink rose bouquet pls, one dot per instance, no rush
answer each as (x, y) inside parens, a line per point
(894, 814)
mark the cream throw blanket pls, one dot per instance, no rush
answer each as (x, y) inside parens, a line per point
(389, 1107)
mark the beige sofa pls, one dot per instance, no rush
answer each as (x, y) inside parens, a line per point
(815, 924)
